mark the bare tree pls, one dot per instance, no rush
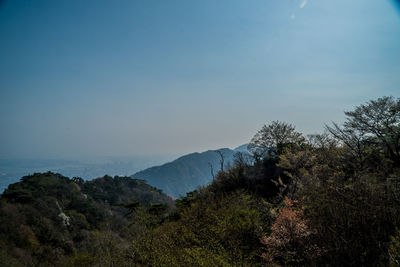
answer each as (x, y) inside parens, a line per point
(222, 159)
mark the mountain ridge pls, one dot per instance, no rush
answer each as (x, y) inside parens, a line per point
(189, 171)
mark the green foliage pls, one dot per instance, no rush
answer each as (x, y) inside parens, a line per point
(332, 199)
(353, 216)
(82, 260)
(214, 230)
(394, 249)
(48, 219)
(350, 186)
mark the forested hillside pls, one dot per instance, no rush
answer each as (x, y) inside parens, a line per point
(330, 199)
(47, 218)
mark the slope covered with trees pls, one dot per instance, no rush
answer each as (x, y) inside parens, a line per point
(47, 218)
(330, 199)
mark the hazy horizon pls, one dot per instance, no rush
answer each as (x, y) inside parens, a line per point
(127, 78)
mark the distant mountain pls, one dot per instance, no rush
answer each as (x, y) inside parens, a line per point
(242, 148)
(188, 172)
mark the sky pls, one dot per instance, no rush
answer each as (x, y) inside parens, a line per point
(153, 77)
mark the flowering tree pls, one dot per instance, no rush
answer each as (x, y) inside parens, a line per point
(288, 243)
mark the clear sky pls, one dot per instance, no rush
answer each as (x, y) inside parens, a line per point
(134, 77)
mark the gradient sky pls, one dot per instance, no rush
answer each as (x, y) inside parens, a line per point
(102, 78)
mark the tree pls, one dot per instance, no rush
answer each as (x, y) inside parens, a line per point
(273, 138)
(222, 159)
(377, 124)
(289, 242)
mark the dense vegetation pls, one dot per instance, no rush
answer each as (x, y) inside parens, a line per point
(330, 199)
(48, 219)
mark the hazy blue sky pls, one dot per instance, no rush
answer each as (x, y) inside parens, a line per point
(91, 78)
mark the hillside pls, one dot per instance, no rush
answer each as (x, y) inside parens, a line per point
(188, 172)
(305, 201)
(52, 215)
